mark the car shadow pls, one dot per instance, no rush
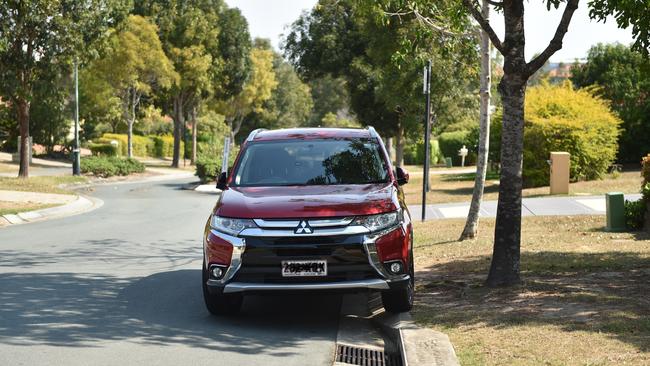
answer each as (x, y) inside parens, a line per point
(166, 308)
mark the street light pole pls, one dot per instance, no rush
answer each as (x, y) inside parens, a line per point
(427, 132)
(76, 170)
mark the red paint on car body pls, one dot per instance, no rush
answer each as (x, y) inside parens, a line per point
(307, 201)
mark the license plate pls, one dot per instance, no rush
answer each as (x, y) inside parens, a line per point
(304, 268)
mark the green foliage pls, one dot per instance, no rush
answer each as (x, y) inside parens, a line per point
(634, 214)
(414, 153)
(560, 118)
(627, 13)
(452, 142)
(153, 146)
(207, 169)
(38, 41)
(621, 76)
(153, 122)
(103, 149)
(142, 146)
(645, 171)
(330, 95)
(381, 62)
(163, 146)
(109, 166)
(332, 120)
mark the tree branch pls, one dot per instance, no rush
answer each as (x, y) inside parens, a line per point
(495, 3)
(476, 14)
(556, 43)
(425, 20)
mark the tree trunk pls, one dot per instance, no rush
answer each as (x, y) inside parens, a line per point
(22, 107)
(504, 270)
(194, 132)
(129, 137)
(471, 225)
(399, 146)
(179, 121)
(507, 233)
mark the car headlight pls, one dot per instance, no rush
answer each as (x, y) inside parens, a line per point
(229, 225)
(379, 222)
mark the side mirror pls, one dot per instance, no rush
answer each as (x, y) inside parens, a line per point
(221, 181)
(402, 176)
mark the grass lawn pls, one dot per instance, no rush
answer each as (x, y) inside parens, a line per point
(49, 184)
(459, 187)
(7, 208)
(585, 298)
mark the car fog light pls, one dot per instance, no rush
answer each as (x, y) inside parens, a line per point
(217, 272)
(396, 267)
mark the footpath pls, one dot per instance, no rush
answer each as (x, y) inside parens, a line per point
(537, 206)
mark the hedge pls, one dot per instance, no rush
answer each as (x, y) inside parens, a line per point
(560, 118)
(414, 153)
(153, 146)
(452, 142)
(105, 167)
(103, 149)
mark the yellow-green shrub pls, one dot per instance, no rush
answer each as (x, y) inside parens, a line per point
(164, 146)
(141, 145)
(560, 118)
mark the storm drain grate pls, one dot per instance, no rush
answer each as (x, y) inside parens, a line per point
(365, 357)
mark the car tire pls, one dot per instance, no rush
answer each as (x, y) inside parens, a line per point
(220, 303)
(400, 300)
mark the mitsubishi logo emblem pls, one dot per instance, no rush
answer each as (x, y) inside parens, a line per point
(303, 228)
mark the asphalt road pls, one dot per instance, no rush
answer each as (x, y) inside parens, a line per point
(121, 286)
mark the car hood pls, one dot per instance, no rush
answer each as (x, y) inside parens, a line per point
(307, 201)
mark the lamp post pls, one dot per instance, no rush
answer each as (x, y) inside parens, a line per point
(76, 169)
(426, 88)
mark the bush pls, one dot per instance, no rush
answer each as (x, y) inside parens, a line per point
(105, 167)
(559, 118)
(164, 146)
(634, 214)
(207, 169)
(141, 145)
(154, 146)
(103, 149)
(208, 166)
(452, 142)
(645, 171)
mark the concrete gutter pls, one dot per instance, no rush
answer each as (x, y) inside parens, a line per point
(364, 323)
(418, 346)
(81, 204)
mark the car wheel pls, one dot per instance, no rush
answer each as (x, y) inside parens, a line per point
(400, 300)
(220, 303)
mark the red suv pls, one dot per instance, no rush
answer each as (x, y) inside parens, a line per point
(313, 209)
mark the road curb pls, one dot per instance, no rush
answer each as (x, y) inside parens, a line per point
(417, 346)
(81, 205)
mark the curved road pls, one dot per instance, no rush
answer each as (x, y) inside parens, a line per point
(121, 286)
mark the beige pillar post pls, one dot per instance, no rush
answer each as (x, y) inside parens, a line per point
(560, 163)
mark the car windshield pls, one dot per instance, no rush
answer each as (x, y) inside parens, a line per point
(311, 162)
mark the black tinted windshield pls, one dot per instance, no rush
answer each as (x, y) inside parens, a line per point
(311, 162)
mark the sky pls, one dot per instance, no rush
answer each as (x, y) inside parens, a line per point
(271, 18)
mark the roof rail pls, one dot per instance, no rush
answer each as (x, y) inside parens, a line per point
(252, 135)
(372, 131)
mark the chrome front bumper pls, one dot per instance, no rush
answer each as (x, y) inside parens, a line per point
(374, 284)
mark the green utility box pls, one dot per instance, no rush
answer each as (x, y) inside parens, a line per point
(448, 162)
(615, 202)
